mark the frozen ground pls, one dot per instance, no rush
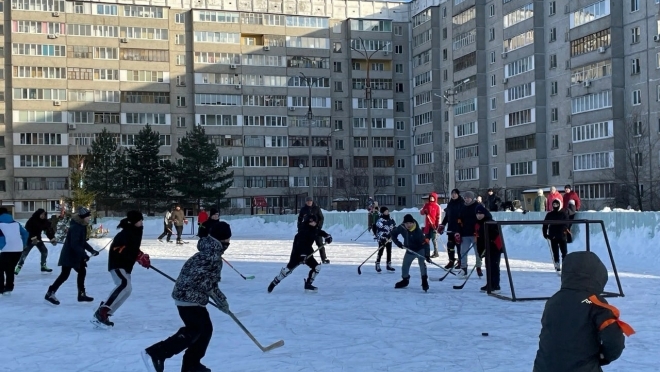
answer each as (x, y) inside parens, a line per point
(354, 323)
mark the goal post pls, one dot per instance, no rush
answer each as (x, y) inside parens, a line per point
(586, 223)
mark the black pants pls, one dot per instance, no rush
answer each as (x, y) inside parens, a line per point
(167, 230)
(42, 249)
(194, 337)
(493, 266)
(321, 246)
(8, 261)
(451, 246)
(388, 248)
(179, 231)
(558, 244)
(296, 259)
(64, 275)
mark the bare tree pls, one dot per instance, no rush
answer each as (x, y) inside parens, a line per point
(352, 185)
(441, 178)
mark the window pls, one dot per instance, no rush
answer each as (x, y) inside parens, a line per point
(339, 144)
(590, 13)
(636, 35)
(467, 174)
(636, 97)
(555, 169)
(553, 88)
(180, 122)
(519, 41)
(401, 182)
(491, 10)
(421, 18)
(590, 43)
(554, 115)
(399, 106)
(635, 66)
(398, 87)
(552, 8)
(555, 141)
(400, 144)
(444, 33)
(493, 173)
(593, 131)
(465, 129)
(518, 67)
(492, 57)
(42, 161)
(181, 101)
(401, 201)
(597, 160)
(493, 80)
(337, 66)
(336, 47)
(143, 11)
(553, 34)
(464, 39)
(591, 72)
(424, 178)
(180, 39)
(398, 49)
(634, 5)
(371, 25)
(398, 68)
(466, 61)
(493, 103)
(398, 30)
(400, 125)
(401, 163)
(519, 92)
(521, 143)
(465, 16)
(553, 61)
(519, 15)
(493, 127)
(638, 128)
(493, 150)
(591, 102)
(595, 191)
(339, 105)
(339, 86)
(339, 125)
(464, 152)
(180, 18)
(521, 169)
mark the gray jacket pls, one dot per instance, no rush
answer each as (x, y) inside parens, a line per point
(200, 274)
(73, 251)
(178, 217)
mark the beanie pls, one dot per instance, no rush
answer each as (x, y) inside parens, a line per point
(468, 194)
(220, 231)
(556, 201)
(383, 209)
(408, 218)
(134, 217)
(84, 212)
(213, 212)
(481, 209)
(456, 191)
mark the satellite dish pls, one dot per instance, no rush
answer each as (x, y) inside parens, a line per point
(300, 166)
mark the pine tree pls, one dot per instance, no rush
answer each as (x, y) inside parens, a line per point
(102, 172)
(199, 174)
(145, 177)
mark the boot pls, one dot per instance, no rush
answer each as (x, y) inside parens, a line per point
(50, 297)
(378, 267)
(389, 267)
(309, 287)
(82, 297)
(450, 264)
(283, 274)
(17, 269)
(403, 283)
(101, 317)
(425, 283)
(152, 361)
(435, 253)
(199, 368)
(479, 272)
(45, 269)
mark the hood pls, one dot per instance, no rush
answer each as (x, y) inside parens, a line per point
(211, 246)
(80, 221)
(124, 224)
(433, 195)
(6, 218)
(584, 271)
(38, 213)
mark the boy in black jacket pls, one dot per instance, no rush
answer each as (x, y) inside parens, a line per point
(308, 233)
(415, 240)
(124, 252)
(580, 331)
(495, 242)
(205, 227)
(556, 233)
(37, 224)
(452, 222)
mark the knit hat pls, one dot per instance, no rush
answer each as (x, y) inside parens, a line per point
(468, 194)
(383, 209)
(309, 198)
(213, 212)
(481, 209)
(220, 231)
(568, 187)
(457, 191)
(134, 217)
(408, 218)
(84, 212)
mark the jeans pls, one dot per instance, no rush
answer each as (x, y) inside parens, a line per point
(408, 258)
(42, 249)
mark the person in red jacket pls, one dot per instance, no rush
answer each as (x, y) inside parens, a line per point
(432, 212)
(202, 216)
(552, 196)
(571, 195)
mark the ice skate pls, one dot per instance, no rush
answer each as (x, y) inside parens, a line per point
(378, 267)
(389, 268)
(152, 363)
(425, 283)
(479, 272)
(403, 283)
(309, 287)
(50, 297)
(101, 318)
(82, 297)
(45, 269)
(17, 269)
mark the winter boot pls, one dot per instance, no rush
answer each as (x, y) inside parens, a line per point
(50, 297)
(153, 362)
(45, 269)
(494, 290)
(179, 242)
(309, 287)
(378, 267)
(389, 267)
(101, 317)
(435, 253)
(425, 283)
(450, 264)
(82, 297)
(479, 272)
(17, 269)
(403, 283)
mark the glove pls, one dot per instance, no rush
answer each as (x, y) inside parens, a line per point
(143, 260)
(399, 244)
(221, 300)
(86, 258)
(95, 253)
(441, 229)
(53, 241)
(328, 239)
(185, 222)
(426, 241)
(457, 238)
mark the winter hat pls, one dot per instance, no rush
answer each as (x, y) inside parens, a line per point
(567, 187)
(4, 210)
(457, 191)
(540, 192)
(201, 208)
(213, 212)
(468, 194)
(383, 209)
(556, 201)
(220, 231)
(408, 218)
(134, 217)
(309, 198)
(84, 212)
(481, 209)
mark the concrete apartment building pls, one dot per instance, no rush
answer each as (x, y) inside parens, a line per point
(535, 92)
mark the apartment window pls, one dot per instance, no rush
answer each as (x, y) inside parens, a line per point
(339, 144)
(553, 34)
(637, 97)
(492, 57)
(591, 102)
(491, 10)
(555, 168)
(553, 88)
(491, 34)
(400, 125)
(400, 144)
(591, 161)
(494, 174)
(519, 41)
(339, 125)
(401, 182)
(339, 86)
(181, 101)
(493, 127)
(180, 18)
(41, 161)
(399, 87)
(636, 35)
(634, 5)
(493, 103)
(444, 54)
(552, 8)
(591, 72)
(398, 49)
(336, 47)
(554, 115)
(519, 66)
(493, 80)
(401, 201)
(180, 122)
(444, 33)
(401, 163)
(339, 163)
(590, 43)
(635, 66)
(521, 143)
(493, 151)
(398, 30)
(638, 128)
(592, 131)
(399, 107)
(337, 67)
(180, 39)
(523, 168)
(339, 105)
(555, 141)
(398, 68)
(590, 13)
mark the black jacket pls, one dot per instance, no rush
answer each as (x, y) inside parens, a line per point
(35, 225)
(75, 244)
(414, 240)
(452, 214)
(493, 203)
(480, 235)
(556, 231)
(206, 226)
(315, 211)
(125, 247)
(468, 218)
(306, 236)
(571, 339)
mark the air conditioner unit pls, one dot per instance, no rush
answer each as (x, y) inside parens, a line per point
(232, 67)
(72, 126)
(656, 38)
(123, 40)
(601, 49)
(56, 14)
(52, 36)
(587, 84)
(57, 103)
(292, 109)
(505, 80)
(267, 48)
(237, 86)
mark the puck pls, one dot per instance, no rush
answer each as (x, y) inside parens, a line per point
(484, 333)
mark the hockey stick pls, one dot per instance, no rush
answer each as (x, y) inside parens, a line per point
(460, 286)
(424, 258)
(361, 234)
(106, 246)
(451, 271)
(371, 255)
(242, 276)
(268, 348)
(552, 257)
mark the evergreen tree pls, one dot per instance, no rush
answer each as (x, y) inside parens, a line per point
(81, 195)
(146, 178)
(102, 173)
(199, 176)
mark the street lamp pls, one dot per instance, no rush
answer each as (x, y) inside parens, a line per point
(310, 116)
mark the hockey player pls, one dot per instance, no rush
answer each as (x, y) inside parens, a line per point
(167, 227)
(384, 227)
(431, 212)
(73, 257)
(556, 233)
(451, 222)
(413, 239)
(580, 331)
(124, 252)
(34, 226)
(312, 209)
(495, 242)
(197, 282)
(13, 237)
(204, 228)
(468, 219)
(308, 233)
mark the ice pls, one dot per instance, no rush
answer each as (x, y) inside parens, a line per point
(354, 323)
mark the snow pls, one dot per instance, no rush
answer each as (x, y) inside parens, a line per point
(354, 323)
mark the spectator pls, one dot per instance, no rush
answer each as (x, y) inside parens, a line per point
(540, 202)
(493, 201)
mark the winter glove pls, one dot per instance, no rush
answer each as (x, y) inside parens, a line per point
(328, 239)
(398, 244)
(185, 222)
(95, 253)
(441, 229)
(86, 259)
(143, 260)
(457, 238)
(221, 300)
(53, 241)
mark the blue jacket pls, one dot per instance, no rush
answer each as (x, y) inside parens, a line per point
(9, 226)
(414, 240)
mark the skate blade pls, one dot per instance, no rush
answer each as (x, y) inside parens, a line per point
(311, 290)
(99, 325)
(6, 294)
(50, 303)
(146, 358)
(46, 272)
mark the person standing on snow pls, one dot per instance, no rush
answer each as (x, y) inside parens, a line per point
(124, 252)
(432, 211)
(13, 237)
(179, 219)
(495, 242)
(312, 209)
(552, 196)
(384, 227)
(556, 234)
(468, 219)
(451, 222)
(37, 224)
(493, 201)
(167, 227)
(540, 201)
(202, 216)
(580, 331)
(414, 240)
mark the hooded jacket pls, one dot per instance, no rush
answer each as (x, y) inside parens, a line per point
(415, 240)
(556, 231)
(452, 214)
(431, 212)
(75, 244)
(572, 196)
(125, 247)
(35, 225)
(575, 330)
(552, 197)
(539, 203)
(13, 237)
(384, 227)
(200, 274)
(468, 218)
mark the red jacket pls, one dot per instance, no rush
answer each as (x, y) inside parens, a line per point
(202, 217)
(572, 196)
(432, 212)
(552, 197)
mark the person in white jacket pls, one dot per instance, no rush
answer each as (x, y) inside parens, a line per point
(167, 227)
(13, 238)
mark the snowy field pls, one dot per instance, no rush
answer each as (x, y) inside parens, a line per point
(354, 323)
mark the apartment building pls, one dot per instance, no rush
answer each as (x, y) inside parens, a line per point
(281, 88)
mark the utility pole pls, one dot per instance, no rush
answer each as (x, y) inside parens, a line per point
(310, 117)
(449, 97)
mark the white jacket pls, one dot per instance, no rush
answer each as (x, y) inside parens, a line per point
(14, 236)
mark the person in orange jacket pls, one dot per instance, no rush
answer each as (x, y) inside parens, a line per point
(432, 212)
(202, 216)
